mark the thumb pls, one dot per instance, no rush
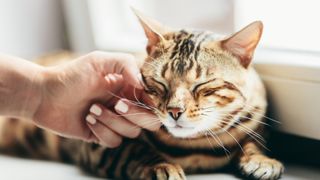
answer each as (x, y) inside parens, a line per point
(114, 83)
(126, 65)
(120, 63)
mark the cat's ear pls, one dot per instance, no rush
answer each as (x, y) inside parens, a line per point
(153, 30)
(243, 43)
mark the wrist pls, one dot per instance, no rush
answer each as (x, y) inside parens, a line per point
(21, 87)
(45, 80)
(33, 94)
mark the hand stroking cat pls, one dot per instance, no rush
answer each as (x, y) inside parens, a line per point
(206, 94)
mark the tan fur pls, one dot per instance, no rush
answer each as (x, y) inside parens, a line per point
(189, 70)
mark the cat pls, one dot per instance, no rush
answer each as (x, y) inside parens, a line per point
(208, 97)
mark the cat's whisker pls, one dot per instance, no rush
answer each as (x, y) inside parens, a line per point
(151, 120)
(135, 96)
(145, 124)
(251, 135)
(131, 114)
(143, 104)
(249, 130)
(235, 141)
(217, 139)
(149, 123)
(261, 114)
(119, 97)
(269, 118)
(252, 119)
(206, 134)
(226, 131)
(252, 131)
(130, 101)
(140, 103)
(204, 108)
(150, 63)
(205, 114)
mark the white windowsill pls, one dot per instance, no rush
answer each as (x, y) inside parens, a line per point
(288, 64)
(293, 84)
(16, 168)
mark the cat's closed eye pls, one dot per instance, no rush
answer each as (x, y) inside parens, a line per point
(152, 91)
(208, 92)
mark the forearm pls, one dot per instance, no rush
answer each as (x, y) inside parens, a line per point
(20, 87)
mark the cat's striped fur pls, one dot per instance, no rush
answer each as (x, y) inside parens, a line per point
(184, 69)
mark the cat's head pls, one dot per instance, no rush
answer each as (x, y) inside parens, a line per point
(195, 80)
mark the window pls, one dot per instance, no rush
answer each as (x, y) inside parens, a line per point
(288, 24)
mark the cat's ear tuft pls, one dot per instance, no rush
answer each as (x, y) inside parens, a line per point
(243, 43)
(153, 29)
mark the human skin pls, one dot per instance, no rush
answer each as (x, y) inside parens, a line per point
(60, 98)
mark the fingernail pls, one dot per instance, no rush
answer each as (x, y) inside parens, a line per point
(90, 119)
(112, 78)
(121, 106)
(96, 110)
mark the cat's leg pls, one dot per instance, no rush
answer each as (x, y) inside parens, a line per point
(254, 164)
(132, 160)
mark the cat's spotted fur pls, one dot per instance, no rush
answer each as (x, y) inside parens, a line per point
(206, 94)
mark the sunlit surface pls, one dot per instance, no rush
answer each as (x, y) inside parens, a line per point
(16, 168)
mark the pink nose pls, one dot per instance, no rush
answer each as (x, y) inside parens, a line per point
(175, 112)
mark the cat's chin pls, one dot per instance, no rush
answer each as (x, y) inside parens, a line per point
(183, 132)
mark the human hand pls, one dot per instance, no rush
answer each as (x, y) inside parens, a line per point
(125, 114)
(68, 91)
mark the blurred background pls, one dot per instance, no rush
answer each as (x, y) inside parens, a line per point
(287, 58)
(31, 28)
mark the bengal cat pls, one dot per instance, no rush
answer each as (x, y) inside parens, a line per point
(208, 97)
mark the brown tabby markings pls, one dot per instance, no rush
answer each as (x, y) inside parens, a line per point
(198, 71)
(185, 52)
(159, 155)
(164, 69)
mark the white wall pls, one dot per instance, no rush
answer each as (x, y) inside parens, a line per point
(78, 24)
(115, 27)
(30, 28)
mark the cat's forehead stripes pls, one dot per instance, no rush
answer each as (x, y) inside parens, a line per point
(185, 52)
(198, 71)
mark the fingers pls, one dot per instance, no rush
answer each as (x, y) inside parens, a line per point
(105, 136)
(114, 121)
(127, 66)
(114, 80)
(119, 63)
(138, 115)
(109, 127)
(114, 83)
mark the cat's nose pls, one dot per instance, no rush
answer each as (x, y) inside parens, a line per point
(175, 112)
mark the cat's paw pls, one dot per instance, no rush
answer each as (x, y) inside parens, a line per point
(261, 167)
(166, 171)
